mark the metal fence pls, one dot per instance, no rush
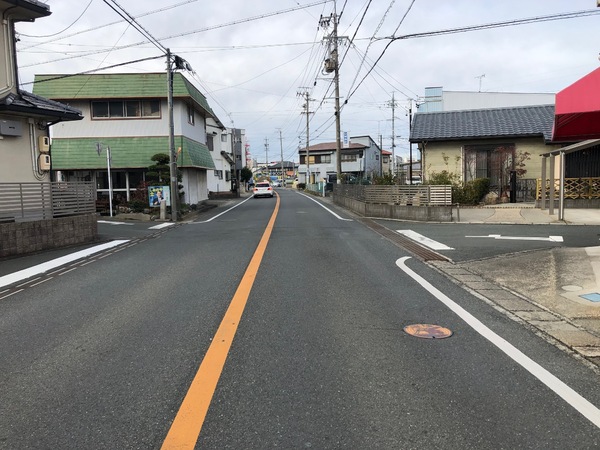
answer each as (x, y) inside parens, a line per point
(421, 195)
(22, 202)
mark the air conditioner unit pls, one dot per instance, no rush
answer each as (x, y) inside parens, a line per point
(43, 144)
(44, 162)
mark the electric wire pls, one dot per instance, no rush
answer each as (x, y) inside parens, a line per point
(63, 30)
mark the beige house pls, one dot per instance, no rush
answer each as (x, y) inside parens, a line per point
(24, 117)
(486, 143)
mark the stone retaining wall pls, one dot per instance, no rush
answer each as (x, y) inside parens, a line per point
(417, 213)
(17, 238)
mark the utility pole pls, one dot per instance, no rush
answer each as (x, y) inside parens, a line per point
(267, 157)
(410, 155)
(332, 64)
(306, 107)
(335, 54)
(281, 146)
(172, 156)
(395, 164)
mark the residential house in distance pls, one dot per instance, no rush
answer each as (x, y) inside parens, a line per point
(128, 112)
(437, 99)
(360, 159)
(227, 147)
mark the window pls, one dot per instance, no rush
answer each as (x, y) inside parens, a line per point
(349, 158)
(118, 109)
(219, 174)
(133, 109)
(490, 161)
(223, 137)
(151, 108)
(190, 112)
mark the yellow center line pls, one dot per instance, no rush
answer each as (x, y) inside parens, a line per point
(188, 422)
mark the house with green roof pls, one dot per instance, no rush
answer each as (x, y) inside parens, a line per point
(128, 112)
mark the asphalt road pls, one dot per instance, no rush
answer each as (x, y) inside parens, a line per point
(103, 353)
(478, 241)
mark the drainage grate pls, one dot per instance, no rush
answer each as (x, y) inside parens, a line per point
(424, 253)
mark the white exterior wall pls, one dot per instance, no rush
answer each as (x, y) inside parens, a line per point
(113, 128)
(194, 185)
(461, 101)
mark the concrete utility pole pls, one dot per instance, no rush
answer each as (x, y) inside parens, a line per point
(410, 154)
(281, 146)
(172, 156)
(334, 55)
(306, 107)
(395, 163)
(267, 156)
(332, 64)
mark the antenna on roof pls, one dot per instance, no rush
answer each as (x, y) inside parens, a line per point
(480, 77)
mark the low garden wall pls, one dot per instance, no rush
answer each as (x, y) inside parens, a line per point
(17, 238)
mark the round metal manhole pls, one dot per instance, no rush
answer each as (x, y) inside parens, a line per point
(427, 331)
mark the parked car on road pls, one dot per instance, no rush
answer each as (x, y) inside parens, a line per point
(263, 189)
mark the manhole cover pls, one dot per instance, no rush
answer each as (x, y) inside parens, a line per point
(427, 331)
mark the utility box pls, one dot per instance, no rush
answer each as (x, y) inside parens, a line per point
(10, 128)
(44, 162)
(43, 144)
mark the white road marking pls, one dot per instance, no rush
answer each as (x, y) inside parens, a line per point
(434, 245)
(110, 222)
(162, 225)
(522, 238)
(326, 208)
(226, 211)
(582, 405)
(54, 263)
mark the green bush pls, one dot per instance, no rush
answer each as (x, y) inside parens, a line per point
(471, 192)
(138, 206)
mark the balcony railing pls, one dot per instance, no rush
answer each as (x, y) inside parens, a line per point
(23, 202)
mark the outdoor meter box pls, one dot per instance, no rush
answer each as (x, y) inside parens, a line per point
(43, 144)
(44, 162)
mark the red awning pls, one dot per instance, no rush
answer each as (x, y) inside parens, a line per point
(577, 110)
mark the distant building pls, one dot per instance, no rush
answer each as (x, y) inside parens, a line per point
(438, 100)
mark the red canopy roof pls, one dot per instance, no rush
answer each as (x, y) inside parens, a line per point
(577, 110)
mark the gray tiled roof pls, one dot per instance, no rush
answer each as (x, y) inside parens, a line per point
(29, 103)
(484, 123)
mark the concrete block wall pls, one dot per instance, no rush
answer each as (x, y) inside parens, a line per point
(18, 238)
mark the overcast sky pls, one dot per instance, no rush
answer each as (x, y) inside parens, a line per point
(252, 58)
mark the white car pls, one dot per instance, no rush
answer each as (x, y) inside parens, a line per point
(263, 189)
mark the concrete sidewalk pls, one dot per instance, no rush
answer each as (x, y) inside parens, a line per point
(556, 292)
(524, 213)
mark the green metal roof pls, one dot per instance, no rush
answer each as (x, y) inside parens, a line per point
(126, 153)
(117, 86)
(193, 154)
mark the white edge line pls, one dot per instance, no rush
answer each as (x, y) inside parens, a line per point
(226, 211)
(582, 405)
(325, 207)
(52, 264)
